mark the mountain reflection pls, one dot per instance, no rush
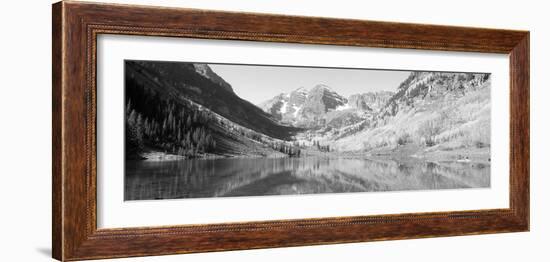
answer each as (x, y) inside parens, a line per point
(282, 176)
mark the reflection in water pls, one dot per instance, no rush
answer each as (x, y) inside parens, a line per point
(282, 176)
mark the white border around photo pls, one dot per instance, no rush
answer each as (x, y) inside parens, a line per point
(114, 212)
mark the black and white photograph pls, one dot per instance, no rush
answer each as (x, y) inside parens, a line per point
(201, 130)
(274, 131)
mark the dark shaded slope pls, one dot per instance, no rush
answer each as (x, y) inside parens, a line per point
(160, 119)
(156, 120)
(184, 81)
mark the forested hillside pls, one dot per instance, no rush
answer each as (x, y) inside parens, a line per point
(161, 116)
(167, 125)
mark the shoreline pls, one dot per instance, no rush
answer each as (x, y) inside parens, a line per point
(401, 154)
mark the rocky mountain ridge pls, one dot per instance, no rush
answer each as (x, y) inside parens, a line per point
(430, 112)
(321, 105)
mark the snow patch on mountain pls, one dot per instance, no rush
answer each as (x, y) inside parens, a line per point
(345, 106)
(296, 110)
(284, 107)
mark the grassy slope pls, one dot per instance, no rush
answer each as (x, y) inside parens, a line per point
(447, 127)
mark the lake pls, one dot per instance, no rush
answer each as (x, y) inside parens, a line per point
(229, 177)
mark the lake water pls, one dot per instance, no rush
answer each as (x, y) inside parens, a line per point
(282, 176)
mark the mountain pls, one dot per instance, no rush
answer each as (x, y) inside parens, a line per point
(422, 87)
(321, 106)
(372, 101)
(199, 84)
(276, 106)
(206, 71)
(184, 110)
(320, 100)
(430, 112)
(285, 106)
(298, 96)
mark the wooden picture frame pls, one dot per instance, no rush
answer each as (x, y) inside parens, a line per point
(76, 26)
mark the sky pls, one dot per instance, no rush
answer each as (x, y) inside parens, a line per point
(260, 83)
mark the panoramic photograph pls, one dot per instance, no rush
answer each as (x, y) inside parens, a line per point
(203, 130)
